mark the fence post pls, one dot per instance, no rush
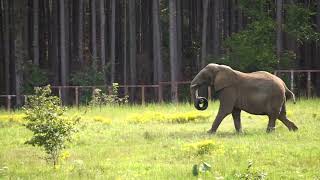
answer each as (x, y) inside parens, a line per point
(209, 93)
(25, 98)
(142, 95)
(9, 103)
(309, 84)
(93, 88)
(160, 96)
(126, 90)
(110, 92)
(291, 80)
(59, 89)
(176, 91)
(77, 96)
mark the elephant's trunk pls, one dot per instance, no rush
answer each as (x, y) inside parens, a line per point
(194, 92)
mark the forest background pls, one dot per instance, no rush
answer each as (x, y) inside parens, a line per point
(130, 42)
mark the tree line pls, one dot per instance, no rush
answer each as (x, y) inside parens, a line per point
(100, 42)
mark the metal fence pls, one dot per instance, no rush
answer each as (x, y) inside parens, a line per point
(293, 73)
(159, 89)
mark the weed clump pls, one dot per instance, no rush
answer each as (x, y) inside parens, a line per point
(102, 120)
(16, 118)
(205, 147)
(251, 173)
(168, 118)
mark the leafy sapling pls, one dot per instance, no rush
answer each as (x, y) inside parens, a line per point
(45, 118)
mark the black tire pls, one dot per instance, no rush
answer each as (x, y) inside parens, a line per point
(201, 103)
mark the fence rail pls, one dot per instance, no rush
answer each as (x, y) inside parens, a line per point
(159, 88)
(142, 88)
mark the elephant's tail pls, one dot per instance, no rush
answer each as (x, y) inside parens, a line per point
(289, 94)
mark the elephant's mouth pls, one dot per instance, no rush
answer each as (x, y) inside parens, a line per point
(201, 103)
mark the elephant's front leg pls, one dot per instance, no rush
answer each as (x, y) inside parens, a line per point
(222, 113)
(220, 116)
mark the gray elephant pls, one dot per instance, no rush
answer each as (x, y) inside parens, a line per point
(259, 93)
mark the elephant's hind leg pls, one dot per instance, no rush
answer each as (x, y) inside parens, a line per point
(284, 119)
(272, 123)
(237, 119)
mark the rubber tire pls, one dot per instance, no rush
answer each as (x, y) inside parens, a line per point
(201, 103)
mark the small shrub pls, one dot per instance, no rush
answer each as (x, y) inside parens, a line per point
(205, 147)
(44, 117)
(100, 98)
(151, 116)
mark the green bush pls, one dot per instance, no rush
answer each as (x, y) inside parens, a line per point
(298, 23)
(45, 118)
(254, 48)
(34, 77)
(87, 77)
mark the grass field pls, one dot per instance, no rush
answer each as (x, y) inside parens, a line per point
(130, 143)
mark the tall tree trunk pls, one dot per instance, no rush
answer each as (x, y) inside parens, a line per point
(279, 31)
(318, 50)
(173, 48)
(93, 34)
(6, 46)
(54, 43)
(18, 48)
(102, 38)
(113, 40)
(204, 33)
(125, 43)
(240, 17)
(36, 32)
(179, 38)
(226, 18)
(216, 29)
(2, 64)
(80, 31)
(63, 53)
(157, 61)
(132, 41)
(233, 16)
(26, 30)
(102, 33)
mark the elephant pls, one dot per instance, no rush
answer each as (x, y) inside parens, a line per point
(258, 93)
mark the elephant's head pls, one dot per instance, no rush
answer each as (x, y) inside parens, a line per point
(215, 75)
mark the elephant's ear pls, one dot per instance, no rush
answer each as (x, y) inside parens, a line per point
(225, 77)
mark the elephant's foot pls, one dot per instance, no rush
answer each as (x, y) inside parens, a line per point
(239, 131)
(270, 129)
(293, 128)
(211, 131)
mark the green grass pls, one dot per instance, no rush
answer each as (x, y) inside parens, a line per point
(115, 148)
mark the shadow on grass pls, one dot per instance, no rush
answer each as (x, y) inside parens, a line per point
(232, 134)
